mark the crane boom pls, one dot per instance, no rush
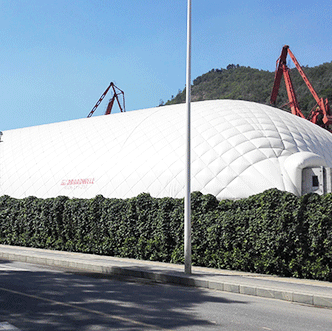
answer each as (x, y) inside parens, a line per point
(281, 62)
(282, 69)
(115, 97)
(321, 114)
(304, 77)
(323, 105)
(111, 102)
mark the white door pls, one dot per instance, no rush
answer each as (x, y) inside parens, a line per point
(313, 180)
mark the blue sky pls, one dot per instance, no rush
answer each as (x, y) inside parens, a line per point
(57, 57)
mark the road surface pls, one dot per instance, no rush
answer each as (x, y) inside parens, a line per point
(40, 298)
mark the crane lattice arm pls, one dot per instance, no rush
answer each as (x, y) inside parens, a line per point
(321, 114)
(111, 102)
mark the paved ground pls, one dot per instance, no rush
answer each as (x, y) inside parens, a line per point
(308, 292)
(38, 297)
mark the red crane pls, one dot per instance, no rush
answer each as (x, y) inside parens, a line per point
(320, 114)
(116, 93)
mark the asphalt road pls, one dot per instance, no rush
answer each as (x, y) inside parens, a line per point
(38, 298)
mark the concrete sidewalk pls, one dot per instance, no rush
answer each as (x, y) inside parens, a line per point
(309, 292)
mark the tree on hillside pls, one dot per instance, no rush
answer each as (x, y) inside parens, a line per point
(244, 83)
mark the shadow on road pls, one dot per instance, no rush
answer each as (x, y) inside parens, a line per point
(4, 261)
(45, 299)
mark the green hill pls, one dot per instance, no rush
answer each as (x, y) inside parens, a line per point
(245, 83)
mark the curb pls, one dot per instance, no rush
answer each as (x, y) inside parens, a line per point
(169, 277)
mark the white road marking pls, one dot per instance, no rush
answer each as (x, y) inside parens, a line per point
(8, 327)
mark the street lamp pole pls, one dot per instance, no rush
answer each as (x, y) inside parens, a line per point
(187, 204)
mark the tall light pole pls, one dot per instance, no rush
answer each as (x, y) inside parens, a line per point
(187, 205)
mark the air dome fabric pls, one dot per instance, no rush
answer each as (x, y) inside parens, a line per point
(239, 148)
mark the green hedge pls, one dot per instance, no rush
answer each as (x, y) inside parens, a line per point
(273, 232)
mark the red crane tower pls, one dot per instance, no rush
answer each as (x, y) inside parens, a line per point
(116, 93)
(320, 114)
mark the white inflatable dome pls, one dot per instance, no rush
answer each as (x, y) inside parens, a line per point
(239, 148)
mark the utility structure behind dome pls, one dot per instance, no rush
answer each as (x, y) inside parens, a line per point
(116, 93)
(320, 114)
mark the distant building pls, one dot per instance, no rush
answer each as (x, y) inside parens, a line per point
(239, 148)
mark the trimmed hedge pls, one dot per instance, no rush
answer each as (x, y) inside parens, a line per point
(273, 232)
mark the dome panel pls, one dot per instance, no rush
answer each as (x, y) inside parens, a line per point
(239, 148)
